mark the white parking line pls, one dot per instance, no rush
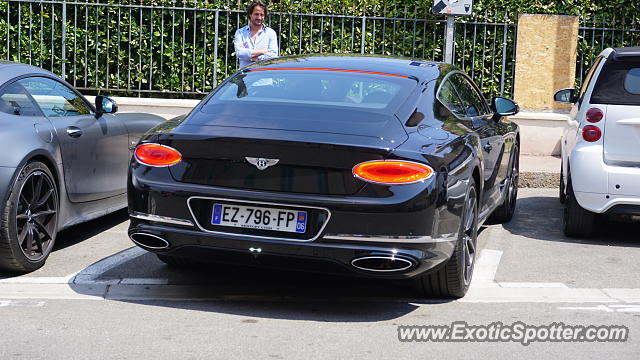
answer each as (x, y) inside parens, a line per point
(484, 271)
(89, 274)
(87, 284)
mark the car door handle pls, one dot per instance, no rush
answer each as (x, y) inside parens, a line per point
(487, 147)
(74, 132)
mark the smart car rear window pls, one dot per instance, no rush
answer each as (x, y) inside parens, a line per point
(632, 81)
(618, 83)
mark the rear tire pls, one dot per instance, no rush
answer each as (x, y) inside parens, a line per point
(504, 212)
(453, 279)
(29, 222)
(576, 221)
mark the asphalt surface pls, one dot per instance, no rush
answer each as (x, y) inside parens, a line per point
(99, 297)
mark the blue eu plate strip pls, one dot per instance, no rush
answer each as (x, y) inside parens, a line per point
(217, 214)
(301, 222)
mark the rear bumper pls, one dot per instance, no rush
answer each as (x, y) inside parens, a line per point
(417, 223)
(599, 186)
(332, 253)
(607, 203)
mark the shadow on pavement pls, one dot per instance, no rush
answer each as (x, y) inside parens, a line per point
(540, 218)
(260, 292)
(81, 232)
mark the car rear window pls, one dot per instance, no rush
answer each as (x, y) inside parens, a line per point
(362, 91)
(632, 81)
(618, 83)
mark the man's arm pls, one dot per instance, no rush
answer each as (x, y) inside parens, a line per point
(272, 51)
(242, 52)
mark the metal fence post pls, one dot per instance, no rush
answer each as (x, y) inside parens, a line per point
(64, 39)
(364, 33)
(449, 38)
(215, 52)
(504, 53)
(8, 30)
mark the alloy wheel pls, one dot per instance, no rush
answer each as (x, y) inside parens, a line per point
(36, 215)
(513, 181)
(470, 237)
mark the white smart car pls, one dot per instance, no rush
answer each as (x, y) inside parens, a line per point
(601, 144)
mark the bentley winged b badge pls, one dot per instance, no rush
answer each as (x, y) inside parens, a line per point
(261, 163)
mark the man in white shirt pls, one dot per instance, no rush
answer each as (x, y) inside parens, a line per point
(256, 41)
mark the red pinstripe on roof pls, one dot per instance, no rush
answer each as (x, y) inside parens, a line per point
(327, 69)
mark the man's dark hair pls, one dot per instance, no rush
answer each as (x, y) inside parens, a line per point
(255, 3)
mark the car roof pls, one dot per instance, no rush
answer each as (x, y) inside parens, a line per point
(10, 70)
(415, 68)
(625, 52)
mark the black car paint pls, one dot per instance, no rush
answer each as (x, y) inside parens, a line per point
(453, 147)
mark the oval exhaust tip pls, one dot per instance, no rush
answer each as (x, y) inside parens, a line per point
(149, 241)
(382, 263)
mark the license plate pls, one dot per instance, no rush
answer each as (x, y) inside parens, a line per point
(261, 218)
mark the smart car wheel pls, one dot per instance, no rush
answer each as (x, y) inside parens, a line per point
(504, 212)
(454, 278)
(576, 221)
(29, 221)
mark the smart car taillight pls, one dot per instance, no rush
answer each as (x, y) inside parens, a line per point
(392, 172)
(157, 155)
(594, 115)
(591, 133)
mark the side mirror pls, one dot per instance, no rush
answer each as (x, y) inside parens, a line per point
(566, 96)
(503, 107)
(105, 105)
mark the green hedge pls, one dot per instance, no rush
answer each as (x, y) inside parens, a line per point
(176, 53)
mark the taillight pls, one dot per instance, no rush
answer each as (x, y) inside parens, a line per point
(594, 115)
(591, 133)
(157, 155)
(392, 172)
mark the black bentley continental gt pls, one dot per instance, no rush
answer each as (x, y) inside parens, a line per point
(374, 166)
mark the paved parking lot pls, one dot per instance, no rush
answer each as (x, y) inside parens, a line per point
(530, 252)
(527, 272)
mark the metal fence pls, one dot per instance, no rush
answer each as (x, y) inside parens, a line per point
(185, 52)
(598, 33)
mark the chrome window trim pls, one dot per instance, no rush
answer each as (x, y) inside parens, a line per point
(261, 203)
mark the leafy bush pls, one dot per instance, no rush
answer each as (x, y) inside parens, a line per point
(180, 48)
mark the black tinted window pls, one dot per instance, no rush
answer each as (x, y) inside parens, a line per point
(474, 103)
(632, 81)
(54, 98)
(15, 101)
(618, 83)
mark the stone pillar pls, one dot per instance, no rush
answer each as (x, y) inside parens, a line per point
(545, 60)
(545, 63)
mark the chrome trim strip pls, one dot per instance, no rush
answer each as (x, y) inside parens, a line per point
(147, 246)
(393, 239)
(385, 258)
(463, 164)
(261, 203)
(158, 218)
